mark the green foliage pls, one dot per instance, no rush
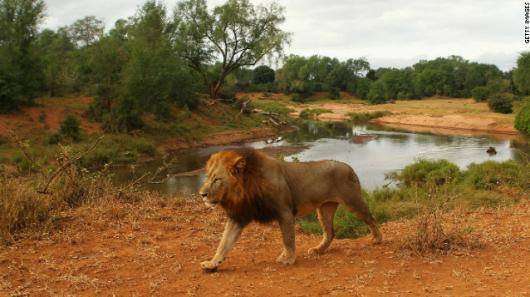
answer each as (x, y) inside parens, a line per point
(120, 148)
(313, 113)
(318, 73)
(480, 93)
(70, 128)
(425, 184)
(272, 106)
(363, 117)
(428, 172)
(361, 87)
(522, 119)
(501, 102)
(377, 93)
(155, 76)
(263, 74)
(232, 35)
(521, 75)
(296, 97)
(21, 77)
(491, 174)
(334, 93)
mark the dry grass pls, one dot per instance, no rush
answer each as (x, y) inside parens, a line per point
(437, 232)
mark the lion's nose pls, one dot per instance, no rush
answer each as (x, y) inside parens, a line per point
(203, 194)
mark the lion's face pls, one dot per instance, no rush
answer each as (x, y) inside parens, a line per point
(223, 177)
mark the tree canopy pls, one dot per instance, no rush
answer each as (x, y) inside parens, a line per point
(235, 34)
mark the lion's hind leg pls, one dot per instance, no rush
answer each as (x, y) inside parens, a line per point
(358, 206)
(326, 213)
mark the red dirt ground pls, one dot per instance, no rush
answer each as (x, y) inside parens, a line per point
(155, 250)
(47, 115)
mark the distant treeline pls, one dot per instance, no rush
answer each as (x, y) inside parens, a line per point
(153, 61)
(452, 77)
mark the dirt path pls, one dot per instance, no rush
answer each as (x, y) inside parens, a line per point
(444, 116)
(155, 250)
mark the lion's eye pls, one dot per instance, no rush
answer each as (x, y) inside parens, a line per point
(216, 179)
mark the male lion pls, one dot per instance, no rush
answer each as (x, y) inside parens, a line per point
(251, 186)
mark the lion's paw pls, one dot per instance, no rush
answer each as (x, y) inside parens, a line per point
(314, 251)
(287, 260)
(208, 266)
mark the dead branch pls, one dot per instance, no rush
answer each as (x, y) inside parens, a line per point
(67, 164)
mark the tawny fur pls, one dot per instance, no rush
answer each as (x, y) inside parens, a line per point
(251, 186)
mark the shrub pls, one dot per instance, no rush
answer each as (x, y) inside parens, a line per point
(522, 119)
(363, 117)
(54, 138)
(297, 98)
(262, 75)
(20, 208)
(70, 128)
(334, 93)
(480, 93)
(313, 113)
(491, 174)
(428, 172)
(501, 102)
(376, 95)
(227, 93)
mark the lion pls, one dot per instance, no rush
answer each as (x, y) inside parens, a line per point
(252, 186)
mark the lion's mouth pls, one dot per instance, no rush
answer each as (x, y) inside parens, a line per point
(210, 203)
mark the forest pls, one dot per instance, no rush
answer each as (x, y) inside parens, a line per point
(156, 59)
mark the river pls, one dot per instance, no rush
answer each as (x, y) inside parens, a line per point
(372, 150)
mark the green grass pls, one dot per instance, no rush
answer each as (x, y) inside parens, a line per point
(313, 113)
(485, 185)
(272, 106)
(363, 117)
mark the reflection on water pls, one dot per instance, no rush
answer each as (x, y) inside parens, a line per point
(371, 150)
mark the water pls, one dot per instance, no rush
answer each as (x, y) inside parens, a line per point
(372, 151)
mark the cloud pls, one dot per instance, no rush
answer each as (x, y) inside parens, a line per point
(389, 33)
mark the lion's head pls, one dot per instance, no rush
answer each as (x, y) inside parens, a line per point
(224, 180)
(235, 181)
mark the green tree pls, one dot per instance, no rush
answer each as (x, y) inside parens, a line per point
(87, 30)
(56, 50)
(263, 74)
(20, 73)
(155, 76)
(521, 75)
(376, 95)
(233, 35)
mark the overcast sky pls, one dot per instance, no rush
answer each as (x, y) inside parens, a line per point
(389, 33)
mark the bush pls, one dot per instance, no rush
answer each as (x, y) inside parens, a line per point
(334, 93)
(376, 95)
(480, 93)
(313, 113)
(522, 119)
(363, 117)
(428, 172)
(54, 138)
(263, 75)
(501, 102)
(70, 128)
(297, 98)
(491, 174)
(227, 93)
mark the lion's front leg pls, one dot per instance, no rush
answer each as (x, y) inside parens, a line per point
(230, 235)
(288, 255)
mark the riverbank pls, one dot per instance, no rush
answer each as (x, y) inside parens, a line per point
(436, 115)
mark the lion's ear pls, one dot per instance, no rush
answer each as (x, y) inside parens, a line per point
(239, 165)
